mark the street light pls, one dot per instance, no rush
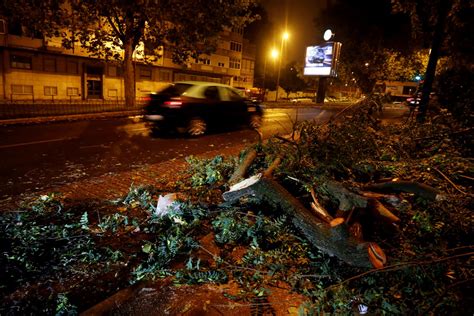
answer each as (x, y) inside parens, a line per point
(273, 55)
(284, 38)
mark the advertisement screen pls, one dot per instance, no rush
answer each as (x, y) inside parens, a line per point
(321, 60)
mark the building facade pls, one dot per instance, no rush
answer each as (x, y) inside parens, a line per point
(41, 69)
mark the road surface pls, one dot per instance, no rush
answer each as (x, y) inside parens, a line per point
(41, 156)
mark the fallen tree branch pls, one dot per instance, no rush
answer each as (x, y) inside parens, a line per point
(447, 179)
(420, 189)
(382, 212)
(347, 199)
(244, 166)
(399, 266)
(268, 173)
(335, 241)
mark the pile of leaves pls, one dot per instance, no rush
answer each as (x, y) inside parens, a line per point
(59, 257)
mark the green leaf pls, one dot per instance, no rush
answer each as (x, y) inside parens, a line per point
(146, 248)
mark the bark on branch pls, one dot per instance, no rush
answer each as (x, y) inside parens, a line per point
(419, 189)
(242, 169)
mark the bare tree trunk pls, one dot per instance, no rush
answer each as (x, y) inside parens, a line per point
(129, 73)
(438, 37)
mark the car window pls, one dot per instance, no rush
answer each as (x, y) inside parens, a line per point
(212, 93)
(175, 90)
(233, 95)
(228, 94)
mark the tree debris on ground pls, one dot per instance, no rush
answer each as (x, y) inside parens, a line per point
(347, 217)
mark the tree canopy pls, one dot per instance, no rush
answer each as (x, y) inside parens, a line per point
(447, 25)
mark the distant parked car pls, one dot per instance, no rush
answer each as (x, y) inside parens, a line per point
(415, 99)
(301, 100)
(194, 107)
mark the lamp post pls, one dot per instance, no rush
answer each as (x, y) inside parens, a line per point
(284, 37)
(273, 55)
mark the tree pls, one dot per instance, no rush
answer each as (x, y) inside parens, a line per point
(439, 21)
(291, 79)
(34, 18)
(113, 30)
(402, 67)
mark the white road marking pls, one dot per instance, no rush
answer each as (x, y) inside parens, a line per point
(37, 142)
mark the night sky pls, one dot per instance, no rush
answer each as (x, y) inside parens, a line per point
(298, 15)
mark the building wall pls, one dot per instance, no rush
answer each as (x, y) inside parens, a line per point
(54, 73)
(46, 77)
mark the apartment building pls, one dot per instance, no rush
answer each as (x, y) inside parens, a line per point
(41, 69)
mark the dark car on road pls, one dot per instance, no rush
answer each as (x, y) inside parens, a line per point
(194, 107)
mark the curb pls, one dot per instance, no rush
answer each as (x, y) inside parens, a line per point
(65, 118)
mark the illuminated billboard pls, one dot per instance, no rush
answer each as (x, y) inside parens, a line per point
(321, 60)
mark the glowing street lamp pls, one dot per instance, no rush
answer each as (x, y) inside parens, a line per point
(273, 55)
(284, 38)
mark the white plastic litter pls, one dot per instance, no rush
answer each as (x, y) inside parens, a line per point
(166, 203)
(363, 309)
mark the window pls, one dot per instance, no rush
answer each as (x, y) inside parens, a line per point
(233, 96)
(49, 90)
(71, 91)
(211, 93)
(221, 64)
(234, 63)
(145, 73)
(164, 75)
(72, 67)
(205, 61)
(49, 64)
(238, 30)
(248, 64)
(235, 46)
(2, 26)
(20, 62)
(22, 89)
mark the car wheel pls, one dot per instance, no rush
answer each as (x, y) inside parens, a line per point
(196, 127)
(157, 129)
(255, 121)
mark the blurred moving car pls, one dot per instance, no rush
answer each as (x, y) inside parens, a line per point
(194, 106)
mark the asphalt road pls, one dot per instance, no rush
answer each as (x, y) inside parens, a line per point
(41, 156)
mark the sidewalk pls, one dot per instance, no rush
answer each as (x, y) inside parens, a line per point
(111, 186)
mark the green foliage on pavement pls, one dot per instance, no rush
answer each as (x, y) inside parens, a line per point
(61, 258)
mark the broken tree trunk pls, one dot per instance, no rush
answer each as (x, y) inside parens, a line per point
(335, 241)
(242, 169)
